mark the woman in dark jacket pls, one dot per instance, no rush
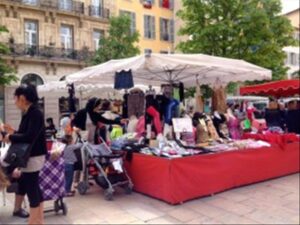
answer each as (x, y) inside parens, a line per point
(31, 130)
(89, 117)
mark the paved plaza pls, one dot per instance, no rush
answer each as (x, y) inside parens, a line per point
(272, 202)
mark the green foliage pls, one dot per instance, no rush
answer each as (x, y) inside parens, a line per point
(6, 72)
(120, 42)
(251, 30)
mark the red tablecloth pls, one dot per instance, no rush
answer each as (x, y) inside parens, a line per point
(178, 180)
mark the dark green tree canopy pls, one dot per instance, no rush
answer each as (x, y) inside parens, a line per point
(251, 30)
(120, 43)
(6, 72)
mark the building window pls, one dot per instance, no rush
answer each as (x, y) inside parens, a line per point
(297, 35)
(293, 59)
(132, 19)
(97, 35)
(147, 51)
(2, 105)
(31, 37)
(66, 37)
(167, 4)
(30, 2)
(96, 8)
(166, 30)
(149, 27)
(66, 5)
(35, 80)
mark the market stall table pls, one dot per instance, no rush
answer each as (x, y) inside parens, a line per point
(178, 180)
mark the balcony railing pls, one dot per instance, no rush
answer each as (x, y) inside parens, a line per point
(67, 6)
(98, 12)
(49, 52)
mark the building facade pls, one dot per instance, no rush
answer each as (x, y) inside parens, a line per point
(153, 19)
(293, 52)
(49, 39)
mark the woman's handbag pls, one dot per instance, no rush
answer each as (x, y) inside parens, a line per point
(18, 153)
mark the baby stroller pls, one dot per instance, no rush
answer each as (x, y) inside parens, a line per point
(104, 166)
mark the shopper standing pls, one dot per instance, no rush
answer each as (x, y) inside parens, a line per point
(32, 131)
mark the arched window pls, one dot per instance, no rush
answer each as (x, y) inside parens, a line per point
(35, 80)
(32, 79)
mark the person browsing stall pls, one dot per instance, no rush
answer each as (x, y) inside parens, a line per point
(32, 131)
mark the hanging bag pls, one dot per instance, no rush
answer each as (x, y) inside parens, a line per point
(18, 153)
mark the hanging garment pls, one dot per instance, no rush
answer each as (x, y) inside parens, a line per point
(219, 99)
(171, 110)
(199, 101)
(202, 132)
(123, 80)
(167, 91)
(234, 128)
(217, 121)
(162, 103)
(155, 118)
(181, 92)
(213, 134)
(136, 104)
(125, 106)
(132, 124)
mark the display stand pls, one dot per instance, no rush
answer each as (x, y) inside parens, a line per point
(178, 180)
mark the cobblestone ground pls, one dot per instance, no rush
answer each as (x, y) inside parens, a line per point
(272, 202)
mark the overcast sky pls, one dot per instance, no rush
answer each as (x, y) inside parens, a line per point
(289, 5)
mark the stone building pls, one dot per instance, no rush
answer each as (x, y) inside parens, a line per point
(48, 39)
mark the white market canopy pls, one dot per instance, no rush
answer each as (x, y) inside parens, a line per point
(104, 91)
(156, 69)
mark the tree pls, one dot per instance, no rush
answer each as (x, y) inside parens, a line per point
(6, 72)
(251, 30)
(120, 43)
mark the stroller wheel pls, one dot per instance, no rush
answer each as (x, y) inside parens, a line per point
(128, 189)
(108, 195)
(82, 188)
(64, 209)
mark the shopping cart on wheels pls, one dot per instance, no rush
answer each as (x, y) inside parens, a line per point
(105, 167)
(52, 183)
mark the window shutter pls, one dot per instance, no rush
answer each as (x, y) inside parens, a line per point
(171, 31)
(161, 28)
(145, 26)
(153, 27)
(133, 22)
(171, 4)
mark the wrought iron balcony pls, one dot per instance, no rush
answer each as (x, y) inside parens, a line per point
(99, 12)
(67, 6)
(49, 52)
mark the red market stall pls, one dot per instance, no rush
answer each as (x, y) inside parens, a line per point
(283, 88)
(178, 180)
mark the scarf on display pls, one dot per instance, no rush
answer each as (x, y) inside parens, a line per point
(219, 99)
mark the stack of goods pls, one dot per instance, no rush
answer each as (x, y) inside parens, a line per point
(237, 145)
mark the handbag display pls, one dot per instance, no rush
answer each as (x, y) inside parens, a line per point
(18, 153)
